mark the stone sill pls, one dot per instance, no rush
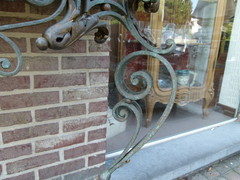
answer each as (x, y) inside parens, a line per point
(177, 157)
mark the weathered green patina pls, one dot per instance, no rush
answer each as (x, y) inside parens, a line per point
(77, 22)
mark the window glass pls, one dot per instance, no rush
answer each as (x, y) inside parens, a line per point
(206, 63)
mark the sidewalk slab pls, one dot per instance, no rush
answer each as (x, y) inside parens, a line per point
(178, 157)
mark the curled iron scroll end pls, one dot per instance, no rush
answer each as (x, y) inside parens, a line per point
(138, 79)
(121, 110)
(5, 63)
(170, 43)
(151, 7)
(102, 34)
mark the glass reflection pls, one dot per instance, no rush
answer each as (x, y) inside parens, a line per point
(207, 91)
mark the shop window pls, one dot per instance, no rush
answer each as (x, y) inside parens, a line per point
(204, 36)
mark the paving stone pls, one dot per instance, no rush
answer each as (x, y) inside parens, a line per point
(237, 169)
(232, 162)
(237, 157)
(232, 175)
(197, 176)
(222, 168)
(228, 169)
(211, 173)
(220, 178)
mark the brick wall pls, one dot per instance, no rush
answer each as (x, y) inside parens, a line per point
(53, 113)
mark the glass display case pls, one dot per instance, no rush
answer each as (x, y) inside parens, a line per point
(195, 26)
(201, 31)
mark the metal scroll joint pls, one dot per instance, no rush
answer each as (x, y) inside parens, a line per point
(73, 26)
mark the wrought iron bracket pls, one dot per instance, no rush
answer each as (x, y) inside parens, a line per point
(76, 23)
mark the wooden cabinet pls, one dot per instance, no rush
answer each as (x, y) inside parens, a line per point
(202, 55)
(196, 52)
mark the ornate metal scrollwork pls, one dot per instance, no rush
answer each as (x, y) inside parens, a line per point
(72, 27)
(6, 63)
(76, 23)
(25, 24)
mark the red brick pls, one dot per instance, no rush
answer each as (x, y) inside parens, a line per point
(78, 124)
(47, 10)
(12, 6)
(28, 100)
(85, 93)
(84, 150)
(61, 169)
(98, 106)
(59, 142)
(96, 134)
(95, 47)
(39, 28)
(30, 132)
(97, 159)
(77, 47)
(6, 48)
(99, 78)
(85, 174)
(33, 162)
(59, 80)
(12, 83)
(60, 112)
(27, 176)
(10, 119)
(15, 151)
(44, 63)
(35, 64)
(85, 62)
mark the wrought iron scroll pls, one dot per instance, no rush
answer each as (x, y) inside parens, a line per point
(76, 23)
(6, 64)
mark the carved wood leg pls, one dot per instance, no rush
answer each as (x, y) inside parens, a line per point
(208, 97)
(149, 104)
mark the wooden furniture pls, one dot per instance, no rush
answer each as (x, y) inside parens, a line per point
(202, 60)
(186, 94)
